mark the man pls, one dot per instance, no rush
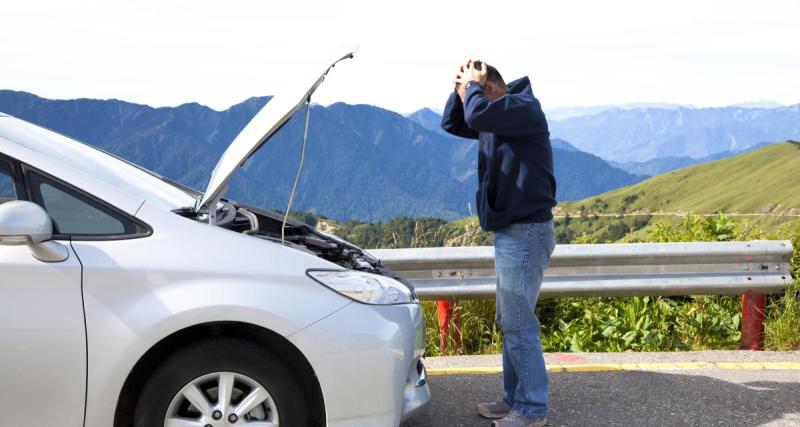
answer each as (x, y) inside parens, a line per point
(516, 193)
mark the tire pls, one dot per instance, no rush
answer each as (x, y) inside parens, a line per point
(201, 363)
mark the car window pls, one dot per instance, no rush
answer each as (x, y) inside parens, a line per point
(75, 214)
(7, 192)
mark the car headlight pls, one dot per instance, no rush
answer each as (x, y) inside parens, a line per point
(364, 287)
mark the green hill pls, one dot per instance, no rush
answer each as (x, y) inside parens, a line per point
(766, 181)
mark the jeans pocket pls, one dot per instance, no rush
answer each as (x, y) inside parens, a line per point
(546, 240)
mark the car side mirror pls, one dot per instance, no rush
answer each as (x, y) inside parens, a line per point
(26, 223)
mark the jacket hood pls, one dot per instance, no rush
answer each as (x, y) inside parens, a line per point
(520, 85)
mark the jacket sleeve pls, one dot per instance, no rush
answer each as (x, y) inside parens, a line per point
(511, 114)
(453, 118)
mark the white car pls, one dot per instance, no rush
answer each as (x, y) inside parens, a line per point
(127, 300)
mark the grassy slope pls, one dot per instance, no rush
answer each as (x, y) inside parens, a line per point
(763, 181)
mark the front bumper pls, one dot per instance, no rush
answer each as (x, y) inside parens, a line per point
(368, 360)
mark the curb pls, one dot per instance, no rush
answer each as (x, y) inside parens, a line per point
(616, 367)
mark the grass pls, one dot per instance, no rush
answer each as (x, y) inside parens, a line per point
(606, 324)
(783, 311)
(783, 320)
(643, 323)
(480, 334)
(762, 181)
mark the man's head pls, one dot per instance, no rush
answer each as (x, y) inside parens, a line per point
(494, 87)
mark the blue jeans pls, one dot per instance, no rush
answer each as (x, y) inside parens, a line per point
(522, 252)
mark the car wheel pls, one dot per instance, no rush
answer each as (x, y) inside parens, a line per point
(221, 382)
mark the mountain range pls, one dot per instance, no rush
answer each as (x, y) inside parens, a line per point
(639, 135)
(670, 163)
(563, 112)
(362, 162)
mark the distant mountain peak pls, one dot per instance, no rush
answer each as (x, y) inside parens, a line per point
(563, 145)
(428, 119)
(758, 104)
(426, 110)
(423, 110)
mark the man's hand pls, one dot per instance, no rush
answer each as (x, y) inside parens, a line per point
(469, 73)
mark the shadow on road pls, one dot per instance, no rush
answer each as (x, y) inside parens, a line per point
(685, 398)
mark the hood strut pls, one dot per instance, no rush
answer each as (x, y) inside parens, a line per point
(299, 168)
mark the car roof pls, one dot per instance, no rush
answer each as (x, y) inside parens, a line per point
(90, 169)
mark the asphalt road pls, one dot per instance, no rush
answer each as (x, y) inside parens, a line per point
(696, 397)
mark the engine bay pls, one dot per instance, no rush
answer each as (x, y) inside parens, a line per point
(267, 225)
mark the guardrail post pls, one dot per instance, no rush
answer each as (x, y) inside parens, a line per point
(753, 309)
(447, 311)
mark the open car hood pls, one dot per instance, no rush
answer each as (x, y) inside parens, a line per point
(266, 123)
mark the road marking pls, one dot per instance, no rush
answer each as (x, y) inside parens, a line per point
(593, 367)
(613, 367)
(782, 365)
(741, 366)
(694, 365)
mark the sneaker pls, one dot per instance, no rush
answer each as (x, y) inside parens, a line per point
(515, 419)
(494, 410)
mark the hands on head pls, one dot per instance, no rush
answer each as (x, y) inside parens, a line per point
(469, 71)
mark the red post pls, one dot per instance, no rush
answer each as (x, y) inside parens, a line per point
(753, 309)
(447, 311)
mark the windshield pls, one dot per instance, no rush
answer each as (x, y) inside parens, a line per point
(195, 194)
(111, 169)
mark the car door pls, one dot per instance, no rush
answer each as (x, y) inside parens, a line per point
(42, 331)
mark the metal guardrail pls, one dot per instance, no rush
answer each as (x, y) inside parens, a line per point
(707, 268)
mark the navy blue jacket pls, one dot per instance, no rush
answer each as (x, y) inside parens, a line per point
(515, 160)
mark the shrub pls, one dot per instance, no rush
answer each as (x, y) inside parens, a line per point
(642, 323)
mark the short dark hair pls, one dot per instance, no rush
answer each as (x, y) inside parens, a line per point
(492, 75)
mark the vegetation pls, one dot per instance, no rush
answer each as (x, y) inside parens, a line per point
(585, 228)
(764, 181)
(414, 233)
(783, 312)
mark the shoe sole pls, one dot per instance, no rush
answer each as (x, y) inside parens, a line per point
(537, 424)
(491, 415)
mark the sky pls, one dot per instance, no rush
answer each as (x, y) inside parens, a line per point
(576, 52)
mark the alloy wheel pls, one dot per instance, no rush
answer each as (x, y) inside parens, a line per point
(222, 399)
